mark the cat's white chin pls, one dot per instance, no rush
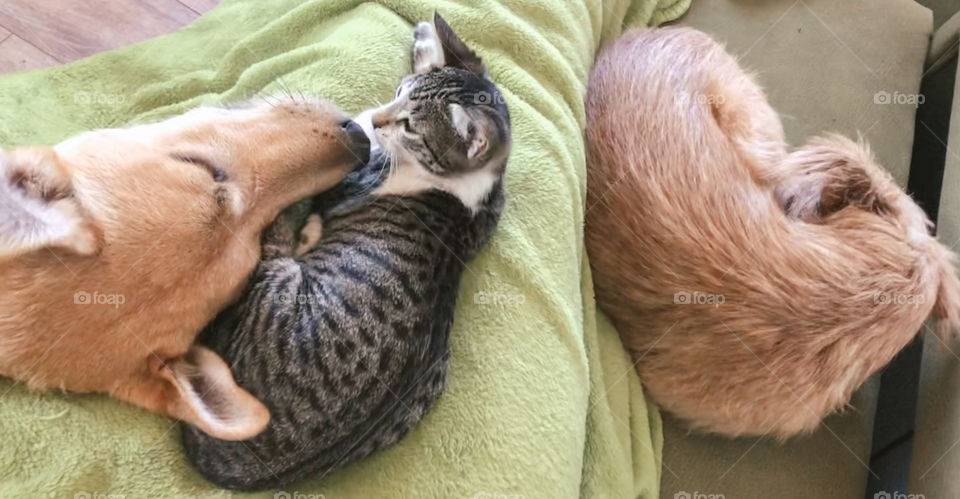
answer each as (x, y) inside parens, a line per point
(410, 177)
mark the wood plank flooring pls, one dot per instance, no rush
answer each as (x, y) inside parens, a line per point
(40, 33)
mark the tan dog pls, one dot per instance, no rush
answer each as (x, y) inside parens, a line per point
(118, 246)
(756, 287)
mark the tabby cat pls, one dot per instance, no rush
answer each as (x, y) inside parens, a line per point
(347, 344)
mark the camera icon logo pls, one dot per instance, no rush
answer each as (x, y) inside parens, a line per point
(82, 298)
(681, 298)
(881, 97)
(682, 495)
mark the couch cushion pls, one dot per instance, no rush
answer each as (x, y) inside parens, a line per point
(936, 444)
(936, 447)
(830, 463)
(826, 66)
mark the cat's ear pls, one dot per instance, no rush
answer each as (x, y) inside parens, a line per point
(205, 395)
(427, 50)
(473, 130)
(39, 207)
(456, 54)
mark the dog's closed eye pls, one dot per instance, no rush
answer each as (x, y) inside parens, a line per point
(218, 174)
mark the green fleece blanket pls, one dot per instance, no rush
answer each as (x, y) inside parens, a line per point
(531, 411)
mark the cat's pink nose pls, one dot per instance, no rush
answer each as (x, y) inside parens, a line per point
(381, 119)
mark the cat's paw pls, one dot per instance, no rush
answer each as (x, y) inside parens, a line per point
(427, 50)
(275, 242)
(310, 235)
(279, 239)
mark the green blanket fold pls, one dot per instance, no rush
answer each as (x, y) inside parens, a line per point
(530, 410)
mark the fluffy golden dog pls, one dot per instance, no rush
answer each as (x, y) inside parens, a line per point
(756, 287)
(118, 246)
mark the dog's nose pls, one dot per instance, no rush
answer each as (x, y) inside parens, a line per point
(357, 140)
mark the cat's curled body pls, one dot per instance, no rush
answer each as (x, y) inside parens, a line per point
(347, 345)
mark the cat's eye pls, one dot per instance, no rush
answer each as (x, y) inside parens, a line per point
(217, 174)
(405, 123)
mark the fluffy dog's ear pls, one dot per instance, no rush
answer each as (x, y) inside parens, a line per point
(205, 395)
(456, 54)
(39, 209)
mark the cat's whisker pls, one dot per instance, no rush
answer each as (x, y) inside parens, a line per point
(394, 166)
(380, 176)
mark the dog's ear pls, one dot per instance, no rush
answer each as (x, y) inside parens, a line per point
(456, 54)
(205, 395)
(38, 205)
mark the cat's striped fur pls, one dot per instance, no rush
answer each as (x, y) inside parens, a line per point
(347, 346)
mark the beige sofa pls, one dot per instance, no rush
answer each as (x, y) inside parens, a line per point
(935, 467)
(827, 65)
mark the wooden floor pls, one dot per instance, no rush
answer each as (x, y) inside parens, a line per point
(40, 33)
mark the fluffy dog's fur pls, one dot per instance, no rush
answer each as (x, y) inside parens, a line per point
(118, 246)
(756, 287)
